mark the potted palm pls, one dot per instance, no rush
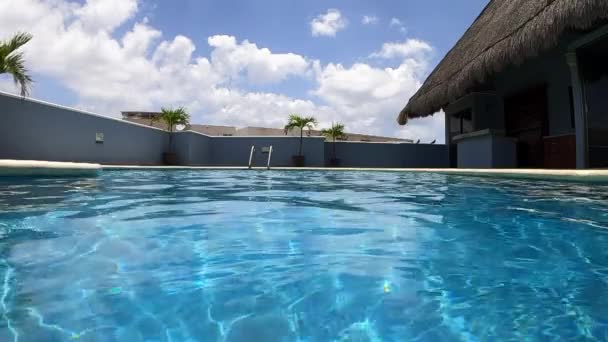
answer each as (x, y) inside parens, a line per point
(335, 132)
(301, 122)
(172, 117)
(11, 62)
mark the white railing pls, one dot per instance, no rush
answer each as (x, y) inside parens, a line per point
(269, 157)
(251, 156)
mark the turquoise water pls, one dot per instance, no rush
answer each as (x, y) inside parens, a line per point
(301, 256)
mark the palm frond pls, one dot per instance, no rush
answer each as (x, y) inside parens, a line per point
(15, 66)
(301, 122)
(12, 62)
(335, 132)
(17, 41)
(172, 117)
(297, 121)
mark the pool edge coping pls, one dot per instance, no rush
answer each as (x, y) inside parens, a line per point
(16, 168)
(10, 167)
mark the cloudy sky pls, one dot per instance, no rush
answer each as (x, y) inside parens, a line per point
(241, 62)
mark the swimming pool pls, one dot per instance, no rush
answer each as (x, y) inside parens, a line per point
(308, 256)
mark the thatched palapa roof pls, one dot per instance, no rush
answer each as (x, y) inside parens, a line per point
(506, 33)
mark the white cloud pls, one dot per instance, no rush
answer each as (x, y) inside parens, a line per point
(426, 129)
(398, 24)
(106, 15)
(409, 48)
(178, 52)
(141, 70)
(368, 98)
(138, 41)
(261, 65)
(235, 107)
(328, 24)
(369, 20)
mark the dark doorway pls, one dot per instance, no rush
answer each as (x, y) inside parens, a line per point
(526, 120)
(593, 59)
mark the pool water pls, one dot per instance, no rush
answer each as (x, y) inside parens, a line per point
(301, 256)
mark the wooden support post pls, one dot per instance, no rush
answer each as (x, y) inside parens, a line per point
(580, 113)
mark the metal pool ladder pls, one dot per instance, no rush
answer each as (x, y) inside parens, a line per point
(251, 156)
(269, 157)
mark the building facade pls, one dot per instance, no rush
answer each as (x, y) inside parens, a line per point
(526, 86)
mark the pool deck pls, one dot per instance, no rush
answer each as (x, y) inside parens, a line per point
(10, 167)
(45, 168)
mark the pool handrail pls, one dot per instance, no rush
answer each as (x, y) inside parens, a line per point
(251, 155)
(269, 157)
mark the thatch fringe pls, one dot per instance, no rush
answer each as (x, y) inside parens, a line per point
(541, 32)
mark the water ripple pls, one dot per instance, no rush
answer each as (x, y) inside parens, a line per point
(301, 256)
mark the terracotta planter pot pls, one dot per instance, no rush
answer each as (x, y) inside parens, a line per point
(170, 158)
(298, 161)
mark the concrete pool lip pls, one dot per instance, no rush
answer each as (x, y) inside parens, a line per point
(536, 174)
(47, 168)
(9, 167)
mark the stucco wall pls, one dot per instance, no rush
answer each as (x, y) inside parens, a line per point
(36, 130)
(197, 149)
(193, 148)
(354, 154)
(487, 152)
(475, 153)
(234, 151)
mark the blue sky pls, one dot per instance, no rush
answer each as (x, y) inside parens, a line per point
(283, 25)
(267, 58)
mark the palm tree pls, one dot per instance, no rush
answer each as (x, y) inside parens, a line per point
(301, 122)
(335, 132)
(11, 62)
(172, 117)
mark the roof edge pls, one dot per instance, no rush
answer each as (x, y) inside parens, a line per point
(538, 34)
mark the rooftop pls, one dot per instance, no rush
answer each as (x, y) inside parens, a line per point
(507, 32)
(146, 118)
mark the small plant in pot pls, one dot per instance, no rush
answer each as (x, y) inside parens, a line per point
(172, 117)
(334, 133)
(297, 121)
